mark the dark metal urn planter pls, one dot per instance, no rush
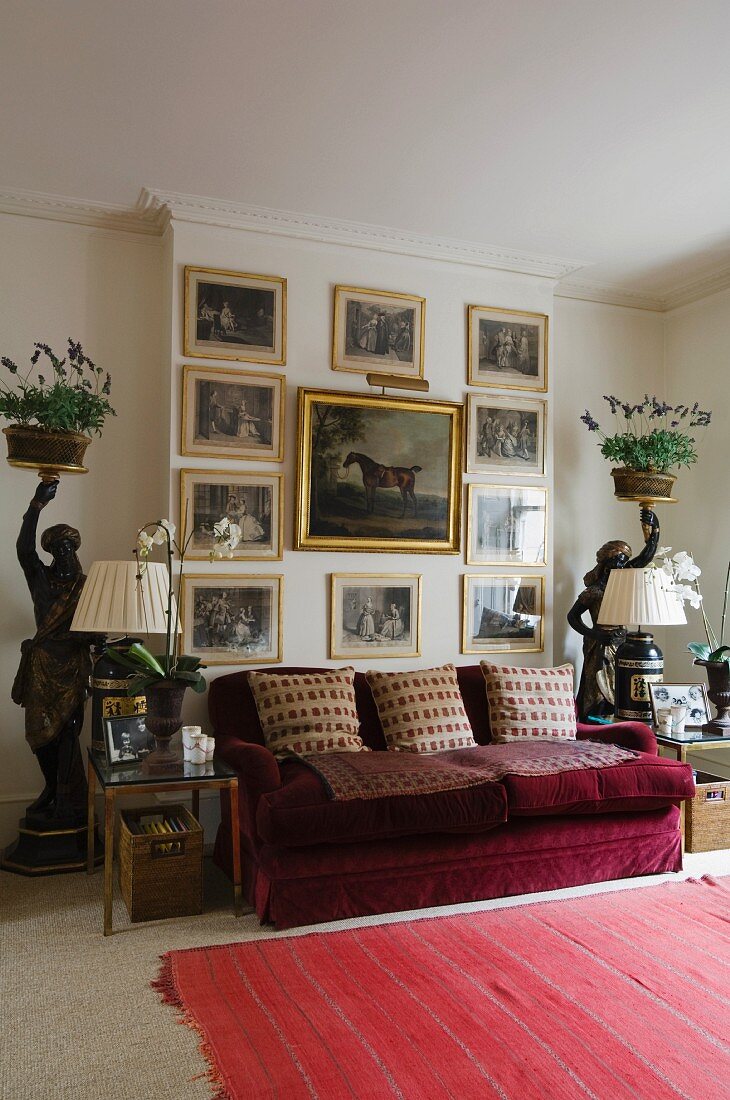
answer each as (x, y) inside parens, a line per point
(718, 680)
(163, 720)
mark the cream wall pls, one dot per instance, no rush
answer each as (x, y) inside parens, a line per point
(102, 288)
(598, 349)
(312, 270)
(696, 356)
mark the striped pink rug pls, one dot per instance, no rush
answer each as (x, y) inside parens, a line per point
(615, 995)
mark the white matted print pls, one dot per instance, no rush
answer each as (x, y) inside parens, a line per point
(503, 614)
(375, 614)
(230, 413)
(506, 435)
(252, 501)
(507, 349)
(379, 331)
(692, 696)
(506, 524)
(232, 620)
(234, 315)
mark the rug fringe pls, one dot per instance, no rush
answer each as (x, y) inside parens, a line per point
(164, 985)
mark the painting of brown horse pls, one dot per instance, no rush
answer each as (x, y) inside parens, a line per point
(376, 476)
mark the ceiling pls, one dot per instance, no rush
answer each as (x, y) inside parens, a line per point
(569, 128)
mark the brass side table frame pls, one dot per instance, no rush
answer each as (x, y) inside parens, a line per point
(186, 783)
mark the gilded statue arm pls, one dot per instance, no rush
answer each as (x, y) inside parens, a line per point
(650, 527)
(25, 547)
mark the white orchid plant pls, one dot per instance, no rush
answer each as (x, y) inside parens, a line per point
(683, 577)
(170, 665)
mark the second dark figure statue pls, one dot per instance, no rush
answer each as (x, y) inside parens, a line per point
(598, 640)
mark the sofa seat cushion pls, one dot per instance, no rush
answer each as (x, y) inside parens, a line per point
(300, 813)
(645, 783)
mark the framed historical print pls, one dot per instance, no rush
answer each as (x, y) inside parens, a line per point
(378, 330)
(506, 435)
(127, 740)
(232, 620)
(503, 614)
(507, 349)
(375, 613)
(692, 696)
(377, 473)
(230, 413)
(252, 501)
(234, 315)
(506, 524)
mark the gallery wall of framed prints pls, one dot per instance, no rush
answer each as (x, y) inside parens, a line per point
(281, 436)
(506, 520)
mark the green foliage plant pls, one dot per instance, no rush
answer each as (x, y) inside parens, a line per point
(73, 398)
(652, 435)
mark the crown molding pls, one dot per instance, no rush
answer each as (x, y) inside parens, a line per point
(609, 295)
(712, 282)
(99, 215)
(263, 219)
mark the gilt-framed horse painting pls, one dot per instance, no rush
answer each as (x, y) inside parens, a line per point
(377, 473)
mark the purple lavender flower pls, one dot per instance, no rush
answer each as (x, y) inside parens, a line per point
(12, 367)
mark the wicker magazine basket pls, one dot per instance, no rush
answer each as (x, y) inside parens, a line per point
(161, 875)
(707, 820)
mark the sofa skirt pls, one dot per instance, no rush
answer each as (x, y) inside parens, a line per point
(298, 886)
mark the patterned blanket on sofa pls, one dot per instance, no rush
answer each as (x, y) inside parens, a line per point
(348, 775)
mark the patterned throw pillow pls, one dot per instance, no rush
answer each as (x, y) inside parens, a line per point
(421, 711)
(530, 704)
(307, 712)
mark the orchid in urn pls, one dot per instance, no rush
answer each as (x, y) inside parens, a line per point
(170, 665)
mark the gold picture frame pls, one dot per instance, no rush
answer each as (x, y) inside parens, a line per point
(229, 413)
(510, 610)
(375, 614)
(507, 349)
(500, 527)
(506, 435)
(377, 474)
(378, 331)
(254, 501)
(223, 627)
(234, 315)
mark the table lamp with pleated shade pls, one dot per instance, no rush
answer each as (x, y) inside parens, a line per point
(636, 598)
(120, 598)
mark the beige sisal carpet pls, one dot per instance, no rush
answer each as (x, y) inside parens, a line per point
(79, 1019)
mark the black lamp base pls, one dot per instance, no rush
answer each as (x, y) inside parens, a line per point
(639, 662)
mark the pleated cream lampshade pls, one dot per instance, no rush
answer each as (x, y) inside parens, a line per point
(116, 600)
(640, 597)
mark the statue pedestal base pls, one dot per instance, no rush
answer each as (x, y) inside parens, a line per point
(49, 851)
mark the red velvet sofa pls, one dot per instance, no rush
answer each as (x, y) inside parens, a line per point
(307, 859)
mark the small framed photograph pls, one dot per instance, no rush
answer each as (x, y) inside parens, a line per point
(232, 414)
(234, 315)
(379, 331)
(507, 349)
(506, 435)
(378, 473)
(378, 613)
(503, 614)
(127, 740)
(506, 524)
(232, 620)
(253, 501)
(693, 696)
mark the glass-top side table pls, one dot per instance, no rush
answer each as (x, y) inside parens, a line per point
(693, 741)
(133, 779)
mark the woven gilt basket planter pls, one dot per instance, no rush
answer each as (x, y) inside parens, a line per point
(50, 453)
(645, 486)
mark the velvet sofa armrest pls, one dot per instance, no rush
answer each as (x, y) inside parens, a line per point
(632, 735)
(258, 773)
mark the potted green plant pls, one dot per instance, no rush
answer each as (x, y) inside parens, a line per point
(52, 418)
(713, 655)
(165, 677)
(650, 439)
